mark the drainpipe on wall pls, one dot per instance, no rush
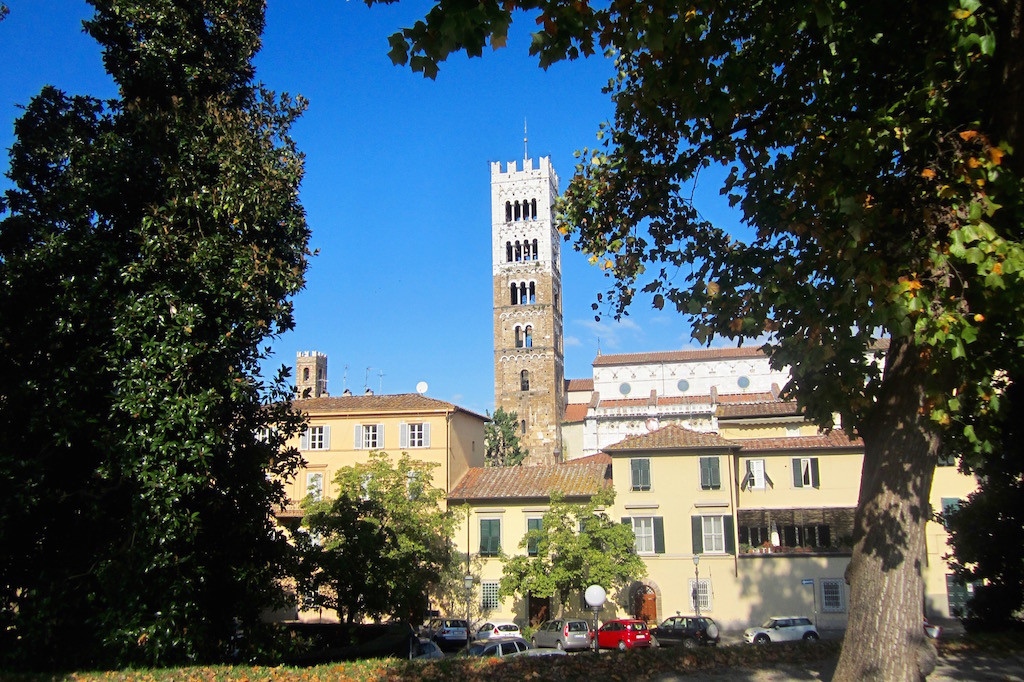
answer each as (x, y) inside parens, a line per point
(734, 465)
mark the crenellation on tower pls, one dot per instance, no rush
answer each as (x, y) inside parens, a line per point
(528, 346)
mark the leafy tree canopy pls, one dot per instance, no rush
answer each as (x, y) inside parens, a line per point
(381, 545)
(148, 251)
(501, 436)
(874, 156)
(577, 545)
(984, 531)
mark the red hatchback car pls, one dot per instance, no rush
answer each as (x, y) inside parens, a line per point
(623, 634)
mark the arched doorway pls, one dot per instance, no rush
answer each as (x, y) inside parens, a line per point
(645, 603)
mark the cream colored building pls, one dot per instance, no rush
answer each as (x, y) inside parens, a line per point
(344, 430)
(709, 464)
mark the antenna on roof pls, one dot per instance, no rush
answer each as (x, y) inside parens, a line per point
(366, 378)
(599, 346)
(525, 154)
(381, 375)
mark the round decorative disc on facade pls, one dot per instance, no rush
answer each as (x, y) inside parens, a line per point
(624, 388)
(743, 382)
(683, 385)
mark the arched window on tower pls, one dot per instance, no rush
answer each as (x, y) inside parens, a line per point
(508, 252)
(533, 208)
(522, 426)
(522, 293)
(518, 251)
(518, 211)
(528, 338)
(519, 337)
(533, 292)
(515, 293)
(305, 373)
(508, 211)
(524, 384)
(534, 249)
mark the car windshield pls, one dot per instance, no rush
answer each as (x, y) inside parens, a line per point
(477, 649)
(455, 623)
(768, 623)
(638, 626)
(578, 626)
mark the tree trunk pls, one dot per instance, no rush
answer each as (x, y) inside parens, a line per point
(885, 635)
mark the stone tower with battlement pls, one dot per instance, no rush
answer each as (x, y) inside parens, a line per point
(527, 271)
(310, 374)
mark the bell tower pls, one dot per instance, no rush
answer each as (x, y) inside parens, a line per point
(529, 373)
(310, 374)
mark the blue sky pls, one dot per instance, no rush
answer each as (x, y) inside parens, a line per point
(397, 186)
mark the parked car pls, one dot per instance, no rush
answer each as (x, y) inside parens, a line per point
(689, 631)
(622, 634)
(498, 628)
(427, 650)
(778, 629)
(499, 647)
(448, 633)
(566, 634)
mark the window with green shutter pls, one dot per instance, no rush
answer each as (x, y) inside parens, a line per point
(640, 474)
(490, 537)
(531, 543)
(710, 473)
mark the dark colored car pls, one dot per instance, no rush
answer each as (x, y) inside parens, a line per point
(499, 647)
(622, 634)
(689, 631)
(563, 633)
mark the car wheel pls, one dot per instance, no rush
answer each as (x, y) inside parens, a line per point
(558, 645)
(712, 631)
(761, 639)
(689, 643)
(810, 636)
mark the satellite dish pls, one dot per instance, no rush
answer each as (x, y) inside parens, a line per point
(421, 387)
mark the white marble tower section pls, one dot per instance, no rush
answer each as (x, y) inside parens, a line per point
(527, 271)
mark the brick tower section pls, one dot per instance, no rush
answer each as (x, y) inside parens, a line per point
(310, 374)
(529, 372)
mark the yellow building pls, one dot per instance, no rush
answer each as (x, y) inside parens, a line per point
(343, 430)
(740, 507)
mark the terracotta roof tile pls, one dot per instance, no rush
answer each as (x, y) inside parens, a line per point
(671, 437)
(599, 457)
(579, 384)
(835, 439)
(575, 412)
(398, 402)
(577, 479)
(746, 398)
(775, 408)
(679, 355)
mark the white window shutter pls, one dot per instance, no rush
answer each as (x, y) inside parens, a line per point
(403, 435)
(426, 434)
(380, 436)
(327, 437)
(304, 440)
(359, 437)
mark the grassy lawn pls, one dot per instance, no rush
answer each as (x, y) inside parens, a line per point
(631, 665)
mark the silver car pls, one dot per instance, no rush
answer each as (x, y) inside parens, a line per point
(563, 633)
(782, 629)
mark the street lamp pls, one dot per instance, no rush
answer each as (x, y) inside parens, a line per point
(595, 597)
(696, 583)
(467, 582)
